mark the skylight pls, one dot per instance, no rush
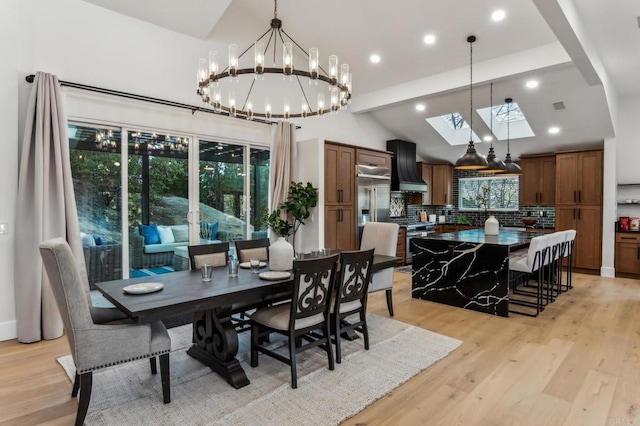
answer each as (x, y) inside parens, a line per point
(455, 121)
(500, 113)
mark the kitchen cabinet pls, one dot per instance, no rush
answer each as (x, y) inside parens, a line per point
(441, 184)
(424, 198)
(340, 228)
(579, 177)
(373, 158)
(587, 221)
(538, 180)
(579, 204)
(339, 184)
(627, 258)
(401, 249)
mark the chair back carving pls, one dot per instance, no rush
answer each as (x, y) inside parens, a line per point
(312, 287)
(197, 253)
(354, 277)
(252, 249)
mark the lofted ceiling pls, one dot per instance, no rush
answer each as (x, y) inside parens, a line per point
(534, 41)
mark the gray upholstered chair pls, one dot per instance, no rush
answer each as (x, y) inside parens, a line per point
(307, 312)
(383, 237)
(212, 254)
(95, 346)
(350, 297)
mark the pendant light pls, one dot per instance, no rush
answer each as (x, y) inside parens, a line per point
(471, 160)
(512, 168)
(496, 165)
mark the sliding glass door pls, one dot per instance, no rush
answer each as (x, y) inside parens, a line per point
(158, 202)
(96, 170)
(170, 195)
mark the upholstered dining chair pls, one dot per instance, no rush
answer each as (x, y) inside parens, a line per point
(383, 238)
(350, 296)
(95, 346)
(252, 249)
(307, 312)
(210, 254)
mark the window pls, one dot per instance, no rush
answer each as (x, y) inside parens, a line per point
(489, 193)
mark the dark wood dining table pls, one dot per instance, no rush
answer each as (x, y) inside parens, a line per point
(215, 338)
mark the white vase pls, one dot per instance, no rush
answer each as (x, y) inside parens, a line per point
(281, 255)
(491, 226)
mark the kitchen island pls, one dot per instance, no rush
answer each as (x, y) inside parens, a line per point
(467, 269)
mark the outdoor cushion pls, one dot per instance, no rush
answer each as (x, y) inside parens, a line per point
(87, 240)
(180, 233)
(149, 233)
(166, 235)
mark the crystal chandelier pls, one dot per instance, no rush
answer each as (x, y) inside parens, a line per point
(222, 88)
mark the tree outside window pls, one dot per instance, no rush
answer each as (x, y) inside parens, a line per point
(489, 193)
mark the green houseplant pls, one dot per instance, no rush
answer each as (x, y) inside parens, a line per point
(302, 197)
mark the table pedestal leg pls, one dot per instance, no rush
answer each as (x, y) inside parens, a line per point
(216, 345)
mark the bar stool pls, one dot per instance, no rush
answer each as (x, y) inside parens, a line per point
(523, 263)
(570, 237)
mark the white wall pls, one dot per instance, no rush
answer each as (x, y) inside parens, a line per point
(8, 161)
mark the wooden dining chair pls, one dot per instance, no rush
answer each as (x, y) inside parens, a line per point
(252, 249)
(350, 296)
(210, 254)
(308, 311)
(94, 346)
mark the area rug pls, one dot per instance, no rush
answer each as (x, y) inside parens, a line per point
(130, 395)
(404, 269)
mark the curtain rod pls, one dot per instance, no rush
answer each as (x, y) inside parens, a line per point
(192, 108)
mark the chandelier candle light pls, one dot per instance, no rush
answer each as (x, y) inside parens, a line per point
(212, 81)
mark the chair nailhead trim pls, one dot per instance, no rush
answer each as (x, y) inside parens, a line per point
(86, 370)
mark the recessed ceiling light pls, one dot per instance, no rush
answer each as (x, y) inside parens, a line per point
(374, 58)
(498, 15)
(488, 138)
(554, 130)
(532, 84)
(429, 39)
(420, 107)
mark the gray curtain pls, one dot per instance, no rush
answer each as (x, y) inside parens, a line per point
(283, 162)
(45, 208)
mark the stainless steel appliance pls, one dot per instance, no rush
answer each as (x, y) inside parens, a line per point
(421, 229)
(374, 195)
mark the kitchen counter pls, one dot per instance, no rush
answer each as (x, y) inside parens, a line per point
(467, 269)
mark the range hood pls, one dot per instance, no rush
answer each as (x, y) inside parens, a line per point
(404, 169)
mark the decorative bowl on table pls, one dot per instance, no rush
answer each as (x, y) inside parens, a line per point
(529, 221)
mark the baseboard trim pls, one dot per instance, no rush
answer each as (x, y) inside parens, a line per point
(8, 330)
(607, 271)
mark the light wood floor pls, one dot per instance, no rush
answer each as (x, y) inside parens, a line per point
(576, 364)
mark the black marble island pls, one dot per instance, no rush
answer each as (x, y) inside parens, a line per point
(467, 269)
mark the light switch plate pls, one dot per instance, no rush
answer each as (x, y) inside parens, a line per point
(4, 227)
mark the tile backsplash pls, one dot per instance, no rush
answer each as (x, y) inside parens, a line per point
(397, 207)
(546, 215)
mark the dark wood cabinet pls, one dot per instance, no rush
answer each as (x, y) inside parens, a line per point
(373, 158)
(627, 258)
(587, 221)
(339, 183)
(579, 177)
(579, 204)
(538, 180)
(441, 184)
(401, 249)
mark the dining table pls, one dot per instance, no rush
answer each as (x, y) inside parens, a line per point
(215, 337)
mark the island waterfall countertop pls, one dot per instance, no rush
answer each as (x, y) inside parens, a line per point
(467, 269)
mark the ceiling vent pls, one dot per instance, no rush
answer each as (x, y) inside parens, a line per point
(558, 106)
